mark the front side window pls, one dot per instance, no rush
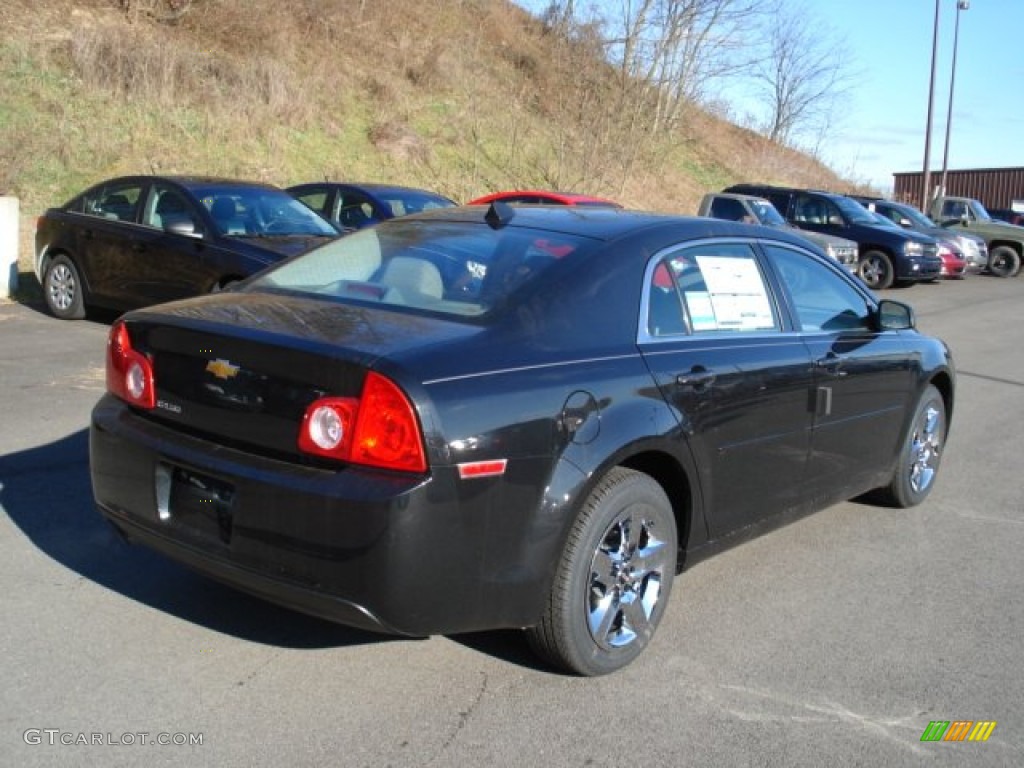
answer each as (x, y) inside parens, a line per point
(810, 210)
(257, 211)
(709, 288)
(169, 210)
(355, 211)
(822, 300)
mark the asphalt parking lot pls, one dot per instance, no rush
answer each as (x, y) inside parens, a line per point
(833, 641)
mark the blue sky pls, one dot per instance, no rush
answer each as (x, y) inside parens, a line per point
(882, 128)
(892, 42)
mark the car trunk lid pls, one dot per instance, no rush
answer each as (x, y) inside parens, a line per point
(241, 369)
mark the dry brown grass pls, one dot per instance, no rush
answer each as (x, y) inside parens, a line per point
(463, 96)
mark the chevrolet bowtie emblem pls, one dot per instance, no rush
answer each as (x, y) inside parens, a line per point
(222, 369)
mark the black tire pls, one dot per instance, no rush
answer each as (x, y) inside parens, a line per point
(920, 453)
(63, 290)
(1003, 261)
(614, 578)
(876, 270)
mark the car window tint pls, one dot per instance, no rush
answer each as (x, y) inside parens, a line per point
(405, 203)
(315, 200)
(114, 201)
(831, 213)
(355, 211)
(954, 209)
(168, 209)
(242, 210)
(822, 300)
(711, 288)
(810, 210)
(728, 208)
(458, 269)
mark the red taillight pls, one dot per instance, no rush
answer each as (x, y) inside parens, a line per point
(129, 373)
(378, 429)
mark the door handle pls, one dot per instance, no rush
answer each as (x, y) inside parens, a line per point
(698, 377)
(831, 364)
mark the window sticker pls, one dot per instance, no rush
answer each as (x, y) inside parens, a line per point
(736, 297)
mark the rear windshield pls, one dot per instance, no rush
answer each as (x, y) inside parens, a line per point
(454, 268)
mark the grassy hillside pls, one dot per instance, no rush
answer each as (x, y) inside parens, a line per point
(460, 96)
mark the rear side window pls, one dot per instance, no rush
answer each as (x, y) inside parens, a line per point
(317, 200)
(710, 288)
(119, 202)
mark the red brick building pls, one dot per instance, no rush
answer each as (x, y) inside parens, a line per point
(997, 188)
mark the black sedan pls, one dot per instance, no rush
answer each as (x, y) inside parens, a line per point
(497, 417)
(140, 240)
(355, 206)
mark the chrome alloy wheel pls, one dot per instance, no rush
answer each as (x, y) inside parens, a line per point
(925, 449)
(626, 575)
(61, 287)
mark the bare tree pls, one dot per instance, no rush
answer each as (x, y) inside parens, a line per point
(670, 51)
(802, 75)
(667, 52)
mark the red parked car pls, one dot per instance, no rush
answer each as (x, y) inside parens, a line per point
(541, 197)
(954, 265)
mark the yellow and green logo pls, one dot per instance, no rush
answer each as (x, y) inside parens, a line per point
(958, 730)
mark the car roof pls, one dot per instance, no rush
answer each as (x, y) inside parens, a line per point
(761, 190)
(372, 186)
(567, 198)
(188, 180)
(609, 223)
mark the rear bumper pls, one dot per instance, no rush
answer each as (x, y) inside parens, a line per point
(374, 550)
(280, 591)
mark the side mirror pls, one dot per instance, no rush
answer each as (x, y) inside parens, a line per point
(895, 316)
(184, 227)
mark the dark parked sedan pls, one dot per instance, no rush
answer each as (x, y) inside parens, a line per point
(512, 417)
(140, 240)
(355, 206)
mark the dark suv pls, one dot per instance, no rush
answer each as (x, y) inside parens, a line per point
(887, 255)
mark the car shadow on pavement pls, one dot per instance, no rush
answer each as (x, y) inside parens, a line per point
(47, 493)
(509, 645)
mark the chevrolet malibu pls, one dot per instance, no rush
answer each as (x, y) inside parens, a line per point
(493, 417)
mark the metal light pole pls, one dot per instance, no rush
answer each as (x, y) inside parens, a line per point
(926, 179)
(962, 5)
